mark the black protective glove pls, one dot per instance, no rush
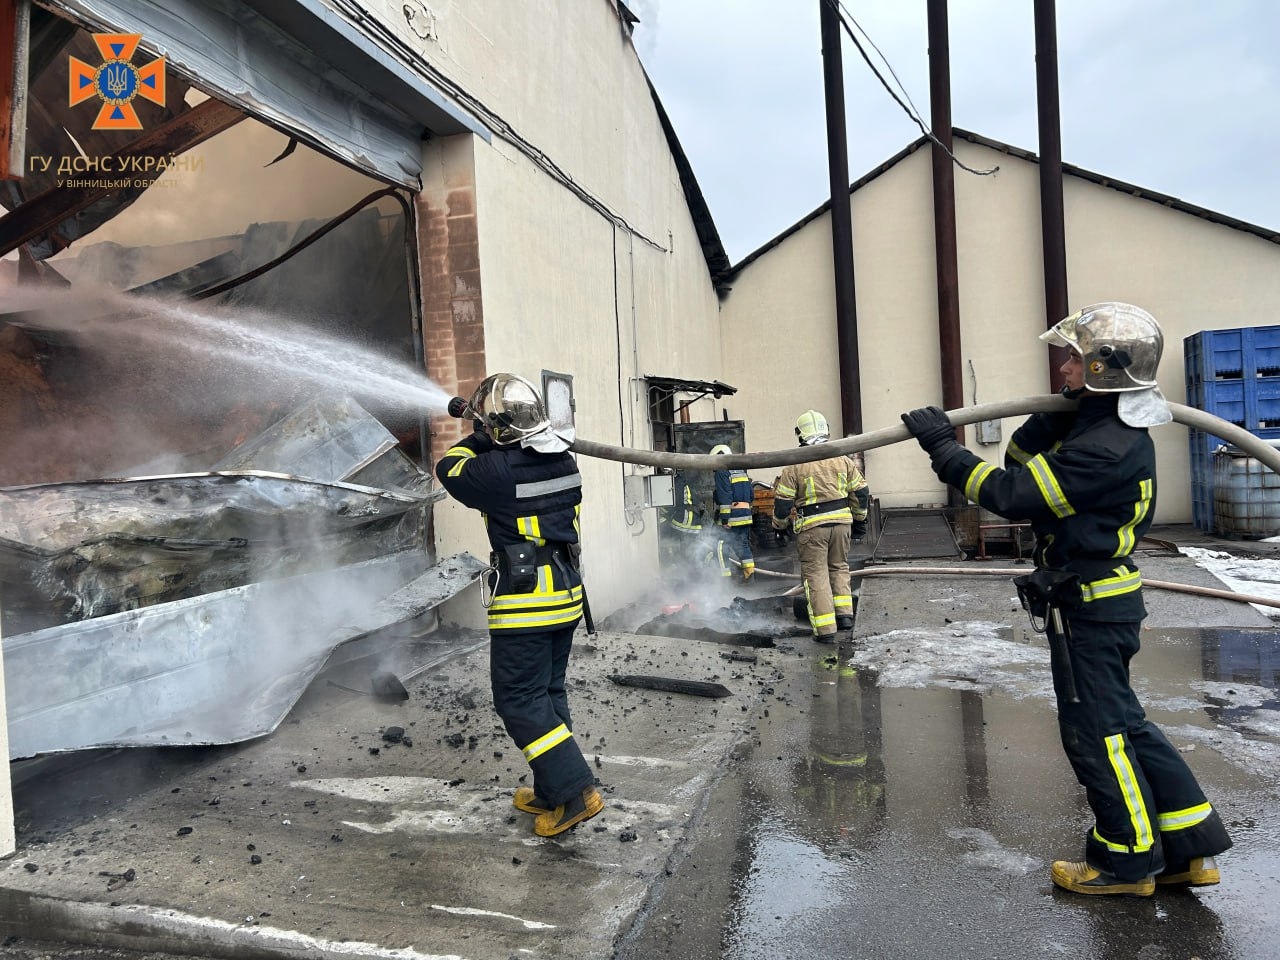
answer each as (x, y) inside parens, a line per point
(930, 427)
(479, 441)
(859, 529)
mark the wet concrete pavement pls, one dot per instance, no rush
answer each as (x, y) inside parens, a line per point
(908, 793)
(900, 795)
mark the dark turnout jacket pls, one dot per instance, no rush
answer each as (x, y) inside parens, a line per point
(526, 497)
(1086, 483)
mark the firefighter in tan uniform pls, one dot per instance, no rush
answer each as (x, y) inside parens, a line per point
(830, 499)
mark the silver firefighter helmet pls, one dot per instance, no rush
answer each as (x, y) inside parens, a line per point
(1119, 343)
(510, 407)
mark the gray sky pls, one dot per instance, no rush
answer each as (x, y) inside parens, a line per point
(1178, 96)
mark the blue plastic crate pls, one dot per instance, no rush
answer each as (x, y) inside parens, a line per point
(1243, 353)
(1233, 374)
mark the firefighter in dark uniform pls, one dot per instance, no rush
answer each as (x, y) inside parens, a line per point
(1086, 482)
(734, 495)
(515, 469)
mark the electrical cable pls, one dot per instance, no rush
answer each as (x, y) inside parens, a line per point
(415, 62)
(838, 8)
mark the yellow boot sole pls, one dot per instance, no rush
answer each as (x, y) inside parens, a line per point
(1079, 877)
(1200, 872)
(526, 801)
(568, 814)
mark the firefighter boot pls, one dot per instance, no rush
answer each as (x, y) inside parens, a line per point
(1078, 877)
(529, 802)
(582, 807)
(1198, 872)
(844, 622)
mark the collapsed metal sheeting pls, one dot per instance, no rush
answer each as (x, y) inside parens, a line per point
(292, 500)
(220, 668)
(70, 551)
(327, 440)
(196, 608)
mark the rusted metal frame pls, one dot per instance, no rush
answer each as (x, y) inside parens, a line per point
(46, 211)
(1052, 218)
(15, 46)
(841, 222)
(944, 220)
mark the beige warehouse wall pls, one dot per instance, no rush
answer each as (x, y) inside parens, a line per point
(606, 288)
(1191, 273)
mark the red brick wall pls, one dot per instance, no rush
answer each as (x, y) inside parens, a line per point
(452, 309)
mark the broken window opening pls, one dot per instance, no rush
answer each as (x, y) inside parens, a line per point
(248, 219)
(669, 403)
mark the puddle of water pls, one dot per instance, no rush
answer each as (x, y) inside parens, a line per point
(897, 814)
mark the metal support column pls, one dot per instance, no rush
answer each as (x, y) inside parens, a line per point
(841, 222)
(944, 221)
(1052, 218)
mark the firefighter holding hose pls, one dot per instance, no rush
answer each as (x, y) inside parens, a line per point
(1085, 480)
(516, 470)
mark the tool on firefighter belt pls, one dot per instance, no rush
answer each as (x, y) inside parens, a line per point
(1045, 595)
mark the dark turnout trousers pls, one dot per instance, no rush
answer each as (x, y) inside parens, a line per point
(527, 673)
(1149, 810)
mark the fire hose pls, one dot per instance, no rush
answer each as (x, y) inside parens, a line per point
(1190, 417)
(1256, 447)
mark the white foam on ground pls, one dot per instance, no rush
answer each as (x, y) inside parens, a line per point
(965, 655)
(1234, 694)
(1261, 758)
(1256, 576)
(473, 912)
(987, 853)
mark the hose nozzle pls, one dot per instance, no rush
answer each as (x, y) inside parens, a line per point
(457, 408)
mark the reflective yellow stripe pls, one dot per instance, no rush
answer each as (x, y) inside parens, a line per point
(976, 480)
(546, 618)
(1140, 508)
(463, 455)
(1049, 488)
(536, 601)
(724, 567)
(1124, 581)
(1016, 453)
(843, 600)
(546, 583)
(1129, 789)
(785, 492)
(1181, 819)
(822, 619)
(544, 743)
(839, 513)
(529, 527)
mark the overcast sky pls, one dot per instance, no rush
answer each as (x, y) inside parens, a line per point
(1177, 96)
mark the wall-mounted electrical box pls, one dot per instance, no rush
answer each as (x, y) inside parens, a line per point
(987, 431)
(648, 490)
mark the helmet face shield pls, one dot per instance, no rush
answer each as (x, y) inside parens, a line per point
(510, 407)
(1119, 344)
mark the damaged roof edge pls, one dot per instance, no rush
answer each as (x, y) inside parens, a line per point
(332, 35)
(708, 236)
(1142, 193)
